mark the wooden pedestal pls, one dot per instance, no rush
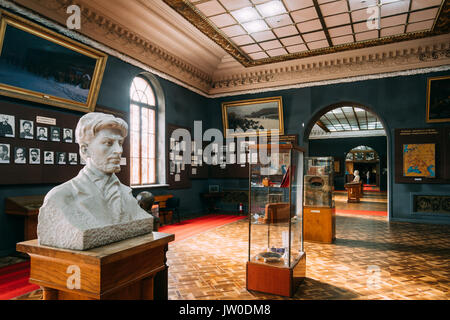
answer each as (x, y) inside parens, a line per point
(121, 270)
(319, 224)
(354, 192)
(275, 278)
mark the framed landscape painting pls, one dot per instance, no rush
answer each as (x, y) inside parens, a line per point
(250, 117)
(42, 66)
(438, 99)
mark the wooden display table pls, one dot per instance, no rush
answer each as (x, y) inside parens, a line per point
(120, 270)
(354, 191)
(27, 207)
(319, 224)
(275, 277)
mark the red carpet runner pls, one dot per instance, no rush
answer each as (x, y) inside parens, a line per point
(14, 281)
(188, 228)
(14, 278)
(363, 212)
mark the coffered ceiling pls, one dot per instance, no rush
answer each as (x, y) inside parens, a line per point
(257, 32)
(213, 47)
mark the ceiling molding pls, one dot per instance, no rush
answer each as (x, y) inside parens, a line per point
(230, 77)
(113, 34)
(194, 16)
(415, 54)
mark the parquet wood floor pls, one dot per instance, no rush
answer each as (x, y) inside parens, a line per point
(371, 259)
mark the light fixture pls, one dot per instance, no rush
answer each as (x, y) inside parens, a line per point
(272, 8)
(245, 14)
(255, 26)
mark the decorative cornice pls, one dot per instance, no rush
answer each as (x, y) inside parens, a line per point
(111, 33)
(194, 16)
(231, 78)
(412, 55)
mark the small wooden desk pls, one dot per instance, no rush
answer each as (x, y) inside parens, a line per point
(28, 207)
(120, 270)
(164, 217)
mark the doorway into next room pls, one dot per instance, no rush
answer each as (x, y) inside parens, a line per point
(355, 137)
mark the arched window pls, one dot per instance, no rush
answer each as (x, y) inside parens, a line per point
(143, 115)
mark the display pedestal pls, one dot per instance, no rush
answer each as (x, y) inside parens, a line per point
(276, 278)
(319, 224)
(354, 191)
(120, 270)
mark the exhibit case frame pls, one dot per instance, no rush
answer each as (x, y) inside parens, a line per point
(319, 208)
(276, 257)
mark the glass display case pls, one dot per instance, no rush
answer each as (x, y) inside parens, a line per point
(318, 181)
(319, 211)
(276, 257)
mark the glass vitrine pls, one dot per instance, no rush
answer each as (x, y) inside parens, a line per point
(318, 182)
(276, 219)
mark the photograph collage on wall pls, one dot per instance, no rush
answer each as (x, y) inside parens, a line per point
(27, 129)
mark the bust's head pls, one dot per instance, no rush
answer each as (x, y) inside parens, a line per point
(356, 173)
(100, 137)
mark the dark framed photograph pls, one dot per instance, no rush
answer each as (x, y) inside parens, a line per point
(7, 125)
(438, 99)
(4, 152)
(42, 133)
(35, 156)
(67, 135)
(251, 117)
(43, 66)
(61, 157)
(55, 134)
(49, 157)
(26, 129)
(73, 158)
(20, 155)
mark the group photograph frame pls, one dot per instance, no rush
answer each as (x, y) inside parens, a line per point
(253, 114)
(38, 58)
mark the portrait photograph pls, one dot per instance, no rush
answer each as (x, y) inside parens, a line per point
(55, 134)
(35, 156)
(49, 157)
(7, 125)
(4, 153)
(42, 133)
(26, 129)
(20, 155)
(61, 157)
(67, 135)
(73, 158)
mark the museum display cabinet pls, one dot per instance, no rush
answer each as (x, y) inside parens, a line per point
(276, 258)
(319, 210)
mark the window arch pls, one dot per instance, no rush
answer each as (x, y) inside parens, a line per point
(143, 132)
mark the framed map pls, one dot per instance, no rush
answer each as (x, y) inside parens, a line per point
(419, 160)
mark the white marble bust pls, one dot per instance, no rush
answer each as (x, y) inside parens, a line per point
(94, 208)
(357, 178)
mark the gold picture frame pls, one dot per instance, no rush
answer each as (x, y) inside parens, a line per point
(254, 114)
(438, 99)
(47, 67)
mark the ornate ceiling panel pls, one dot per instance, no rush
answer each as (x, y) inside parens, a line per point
(257, 32)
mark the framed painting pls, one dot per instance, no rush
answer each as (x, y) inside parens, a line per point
(438, 99)
(40, 65)
(250, 117)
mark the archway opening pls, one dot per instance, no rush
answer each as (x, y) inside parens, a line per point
(357, 139)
